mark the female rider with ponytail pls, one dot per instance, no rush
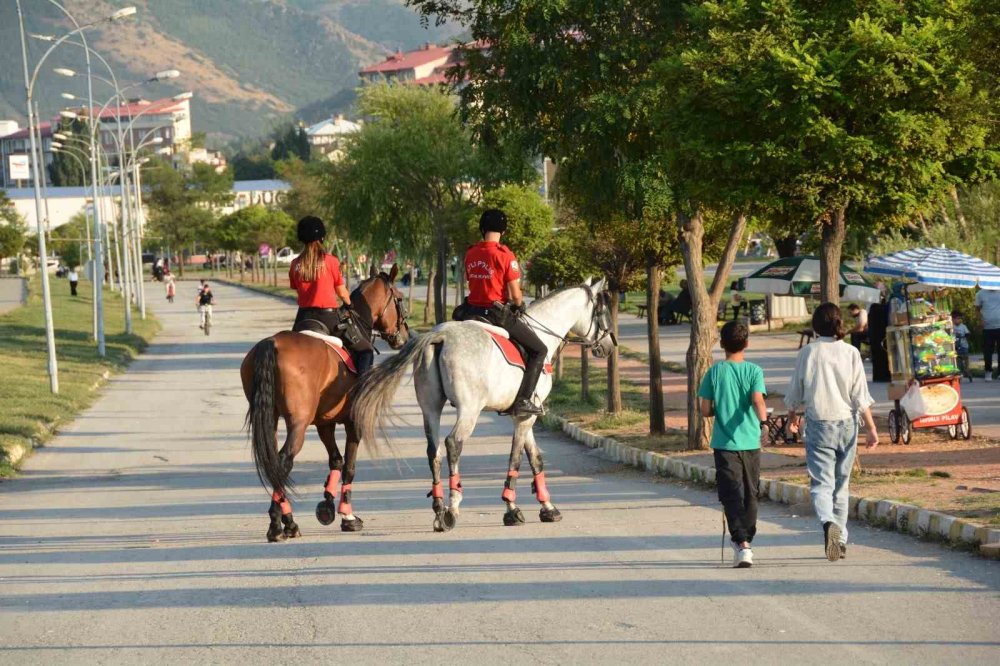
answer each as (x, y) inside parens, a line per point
(315, 275)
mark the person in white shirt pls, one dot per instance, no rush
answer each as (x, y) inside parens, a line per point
(859, 334)
(988, 304)
(74, 280)
(829, 382)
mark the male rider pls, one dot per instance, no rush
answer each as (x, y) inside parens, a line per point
(495, 295)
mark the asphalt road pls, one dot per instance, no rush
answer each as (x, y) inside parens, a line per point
(137, 536)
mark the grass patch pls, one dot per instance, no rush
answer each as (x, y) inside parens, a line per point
(30, 411)
(983, 507)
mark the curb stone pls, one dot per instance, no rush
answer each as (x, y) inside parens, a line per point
(904, 518)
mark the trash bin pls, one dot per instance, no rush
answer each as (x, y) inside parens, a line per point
(758, 312)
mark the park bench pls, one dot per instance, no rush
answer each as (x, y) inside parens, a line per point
(805, 336)
(640, 311)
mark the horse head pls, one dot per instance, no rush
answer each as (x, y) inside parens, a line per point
(594, 324)
(386, 307)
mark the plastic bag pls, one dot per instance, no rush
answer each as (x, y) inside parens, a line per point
(913, 402)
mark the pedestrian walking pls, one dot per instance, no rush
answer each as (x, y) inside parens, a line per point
(733, 392)
(829, 382)
(170, 285)
(859, 334)
(74, 280)
(988, 305)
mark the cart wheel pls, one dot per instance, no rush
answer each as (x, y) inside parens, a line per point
(953, 431)
(905, 427)
(965, 425)
(894, 426)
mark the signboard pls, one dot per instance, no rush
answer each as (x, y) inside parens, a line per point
(18, 168)
(264, 249)
(944, 404)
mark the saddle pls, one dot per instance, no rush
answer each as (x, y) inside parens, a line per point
(335, 343)
(512, 352)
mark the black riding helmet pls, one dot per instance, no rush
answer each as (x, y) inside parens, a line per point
(311, 229)
(493, 219)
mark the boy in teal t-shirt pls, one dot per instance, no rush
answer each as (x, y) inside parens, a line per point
(733, 392)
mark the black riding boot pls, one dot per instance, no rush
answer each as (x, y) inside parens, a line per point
(523, 405)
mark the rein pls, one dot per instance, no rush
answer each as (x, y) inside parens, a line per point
(585, 343)
(391, 338)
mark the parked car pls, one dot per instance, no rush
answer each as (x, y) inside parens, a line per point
(286, 255)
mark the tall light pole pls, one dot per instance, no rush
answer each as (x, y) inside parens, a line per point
(29, 83)
(132, 251)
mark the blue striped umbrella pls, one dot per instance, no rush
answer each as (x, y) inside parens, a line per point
(936, 266)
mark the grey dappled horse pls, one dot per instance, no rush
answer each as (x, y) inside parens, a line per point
(458, 362)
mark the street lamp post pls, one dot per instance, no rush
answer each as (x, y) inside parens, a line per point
(29, 82)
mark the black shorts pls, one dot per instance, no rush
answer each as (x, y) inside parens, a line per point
(329, 317)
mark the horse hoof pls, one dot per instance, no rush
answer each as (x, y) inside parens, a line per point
(448, 520)
(291, 531)
(326, 513)
(512, 518)
(355, 525)
(275, 534)
(550, 515)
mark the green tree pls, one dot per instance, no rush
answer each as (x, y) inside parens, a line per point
(66, 240)
(183, 204)
(407, 177)
(291, 141)
(67, 170)
(13, 229)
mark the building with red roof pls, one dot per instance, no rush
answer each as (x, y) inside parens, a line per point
(426, 66)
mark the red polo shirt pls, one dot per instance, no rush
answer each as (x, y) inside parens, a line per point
(320, 293)
(489, 266)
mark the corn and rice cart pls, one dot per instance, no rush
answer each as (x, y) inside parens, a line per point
(920, 340)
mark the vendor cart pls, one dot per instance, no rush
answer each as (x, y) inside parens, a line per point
(920, 340)
(921, 349)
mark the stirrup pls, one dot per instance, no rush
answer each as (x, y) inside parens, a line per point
(533, 409)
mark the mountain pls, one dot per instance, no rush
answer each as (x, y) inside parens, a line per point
(250, 63)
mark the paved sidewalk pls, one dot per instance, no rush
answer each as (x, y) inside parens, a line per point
(775, 353)
(137, 536)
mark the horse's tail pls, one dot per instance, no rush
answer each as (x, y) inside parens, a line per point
(262, 417)
(371, 400)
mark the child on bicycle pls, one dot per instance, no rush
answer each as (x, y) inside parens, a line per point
(205, 301)
(961, 343)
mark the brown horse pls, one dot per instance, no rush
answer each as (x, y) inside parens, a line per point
(306, 382)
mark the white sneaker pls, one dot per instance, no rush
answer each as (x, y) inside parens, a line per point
(988, 377)
(742, 557)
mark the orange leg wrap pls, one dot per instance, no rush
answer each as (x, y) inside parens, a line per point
(331, 482)
(509, 494)
(286, 506)
(455, 483)
(437, 491)
(345, 500)
(541, 490)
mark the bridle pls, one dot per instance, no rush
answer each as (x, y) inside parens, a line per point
(597, 320)
(401, 313)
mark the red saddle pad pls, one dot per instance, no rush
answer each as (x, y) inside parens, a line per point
(511, 353)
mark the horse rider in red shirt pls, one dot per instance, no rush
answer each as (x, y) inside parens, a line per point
(315, 275)
(495, 295)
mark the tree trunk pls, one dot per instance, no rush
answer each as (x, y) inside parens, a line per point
(274, 269)
(614, 377)
(459, 282)
(657, 422)
(704, 308)
(959, 215)
(441, 279)
(831, 249)
(409, 296)
(243, 267)
(944, 214)
(429, 303)
(786, 246)
(584, 373)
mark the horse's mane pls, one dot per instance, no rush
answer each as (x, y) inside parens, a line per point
(361, 304)
(553, 294)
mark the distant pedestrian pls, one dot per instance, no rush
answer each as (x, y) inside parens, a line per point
(829, 381)
(74, 280)
(859, 334)
(733, 392)
(988, 304)
(962, 346)
(170, 285)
